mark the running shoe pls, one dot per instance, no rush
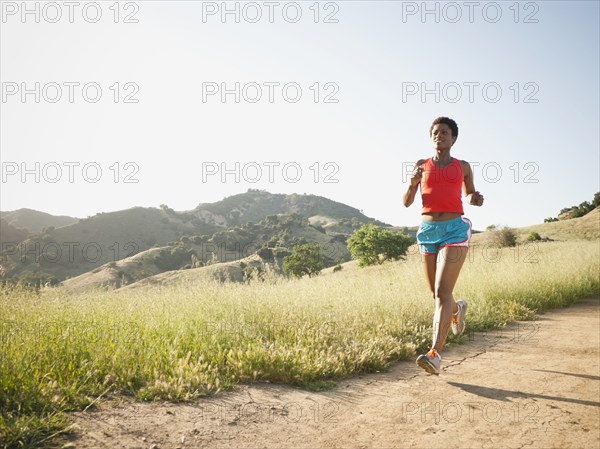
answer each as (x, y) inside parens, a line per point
(458, 319)
(430, 362)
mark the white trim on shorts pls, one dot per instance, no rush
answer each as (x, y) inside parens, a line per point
(469, 232)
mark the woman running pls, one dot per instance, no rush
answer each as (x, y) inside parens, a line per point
(443, 236)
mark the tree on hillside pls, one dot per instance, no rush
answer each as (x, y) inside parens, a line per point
(373, 245)
(305, 259)
(584, 208)
(167, 209)
(173, 258)
(36, 279)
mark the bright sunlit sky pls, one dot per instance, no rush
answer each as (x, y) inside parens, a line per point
(534, 151)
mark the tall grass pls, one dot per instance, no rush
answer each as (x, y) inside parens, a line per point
(61, 352)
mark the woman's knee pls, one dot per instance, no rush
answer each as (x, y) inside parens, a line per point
(443, 295)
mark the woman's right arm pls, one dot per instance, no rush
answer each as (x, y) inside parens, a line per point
(415, 180)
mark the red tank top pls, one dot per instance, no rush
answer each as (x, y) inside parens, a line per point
(441, 187)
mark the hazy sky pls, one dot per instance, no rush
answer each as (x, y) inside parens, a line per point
(328, 98)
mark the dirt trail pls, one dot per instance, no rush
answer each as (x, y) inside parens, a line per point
(534, 384)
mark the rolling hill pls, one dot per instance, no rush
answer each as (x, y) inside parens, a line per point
(77, 248)
(10, 234)
(138, 271)
(276, 233)
(586, 228)
(255, 205)
(121, 248)
(35, 221)
(236, 226)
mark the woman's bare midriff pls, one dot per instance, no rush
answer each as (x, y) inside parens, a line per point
(440, 216)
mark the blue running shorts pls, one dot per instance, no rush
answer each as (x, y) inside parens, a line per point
(434, 235)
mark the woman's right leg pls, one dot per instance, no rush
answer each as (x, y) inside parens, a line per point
(430, 264)
(452, 260)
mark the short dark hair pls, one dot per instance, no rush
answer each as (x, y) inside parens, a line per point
(447, 121)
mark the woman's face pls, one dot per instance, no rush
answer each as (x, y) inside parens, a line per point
(441, 136)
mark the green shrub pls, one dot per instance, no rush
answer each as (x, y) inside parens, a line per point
(173, 258)
(373, 245)
(305, 259)
(505, 237)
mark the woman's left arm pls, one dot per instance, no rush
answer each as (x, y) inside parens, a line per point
(474, 198)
